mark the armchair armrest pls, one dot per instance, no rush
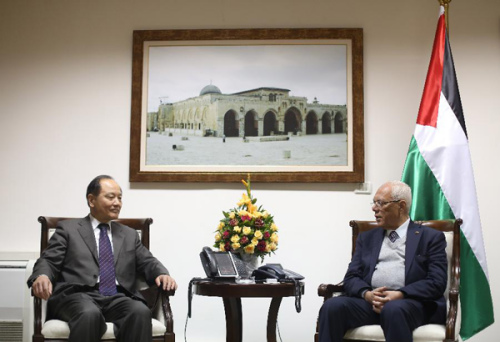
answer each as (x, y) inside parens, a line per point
(451, 317)
(28, 308)
(328, 290)
(167, 312)
(37, 302)
(159, 303)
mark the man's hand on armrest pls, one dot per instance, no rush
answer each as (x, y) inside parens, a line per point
(42, 287)
(166, 282)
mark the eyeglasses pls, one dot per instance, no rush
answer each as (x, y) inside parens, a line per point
(380, 204)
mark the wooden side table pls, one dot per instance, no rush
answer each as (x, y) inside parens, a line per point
(231, 294)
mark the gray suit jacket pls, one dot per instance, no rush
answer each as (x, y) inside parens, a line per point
(72, 264)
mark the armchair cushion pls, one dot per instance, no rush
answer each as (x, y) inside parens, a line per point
(425, 333)
(55, 328)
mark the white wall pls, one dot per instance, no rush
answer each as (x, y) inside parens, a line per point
(65, 85)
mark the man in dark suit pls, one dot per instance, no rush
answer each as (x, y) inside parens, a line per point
(89, 269)
(396, 279)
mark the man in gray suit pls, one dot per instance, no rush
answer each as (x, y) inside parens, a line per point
(86, 295)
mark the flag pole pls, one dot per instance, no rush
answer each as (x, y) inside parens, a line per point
(445, 4)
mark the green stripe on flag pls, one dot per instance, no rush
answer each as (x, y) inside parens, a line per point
(475, 295)
(432, 205)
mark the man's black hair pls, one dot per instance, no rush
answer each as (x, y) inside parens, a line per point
(94, 187)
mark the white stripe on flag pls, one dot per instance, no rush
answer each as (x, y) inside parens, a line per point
(446, 151)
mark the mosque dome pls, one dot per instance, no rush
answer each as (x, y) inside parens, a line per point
(210, 89)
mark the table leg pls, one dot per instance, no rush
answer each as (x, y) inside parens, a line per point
(234, 328)
(272, 318)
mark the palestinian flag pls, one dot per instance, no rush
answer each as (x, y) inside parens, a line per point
(438, 168)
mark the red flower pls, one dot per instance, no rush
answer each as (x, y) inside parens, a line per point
(261, 246)
(227, 246)
(233, 222)
(259, 223)
(267, 235)
(244, 240)
(226, 234)
(246, 218)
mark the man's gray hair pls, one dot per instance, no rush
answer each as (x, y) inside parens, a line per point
(401, 191)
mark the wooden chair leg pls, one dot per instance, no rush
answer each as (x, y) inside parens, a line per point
(169, 337)
(38, 338)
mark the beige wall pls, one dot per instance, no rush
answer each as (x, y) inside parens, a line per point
(65, 85)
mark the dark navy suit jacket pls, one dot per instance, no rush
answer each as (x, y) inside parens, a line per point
(425, 266)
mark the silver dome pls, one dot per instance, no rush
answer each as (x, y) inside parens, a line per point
(210, 89)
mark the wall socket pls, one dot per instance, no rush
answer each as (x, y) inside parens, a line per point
(364, 189)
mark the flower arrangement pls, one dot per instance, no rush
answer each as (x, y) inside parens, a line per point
(247, 229)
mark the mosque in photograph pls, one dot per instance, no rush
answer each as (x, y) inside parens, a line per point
(257, 112)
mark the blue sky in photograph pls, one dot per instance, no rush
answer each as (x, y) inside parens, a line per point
(179, 72)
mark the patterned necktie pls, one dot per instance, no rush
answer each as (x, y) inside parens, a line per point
(107, 285)
(393, 236)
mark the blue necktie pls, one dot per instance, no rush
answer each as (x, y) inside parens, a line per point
(107, 285)
(393, 236)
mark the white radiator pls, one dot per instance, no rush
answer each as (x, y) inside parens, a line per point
(12, 290)
(11, 331)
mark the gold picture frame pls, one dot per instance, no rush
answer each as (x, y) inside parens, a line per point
(253, 115)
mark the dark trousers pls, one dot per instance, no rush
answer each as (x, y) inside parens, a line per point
(398, 318)
(87, 314)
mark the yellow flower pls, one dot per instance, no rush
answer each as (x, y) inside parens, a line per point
(244, 200)
(247, 227)
(251, 208)
(249, 249)
(243, 213)
(274, 237)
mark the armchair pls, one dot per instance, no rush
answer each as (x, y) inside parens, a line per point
(429, 332)
(157, 299)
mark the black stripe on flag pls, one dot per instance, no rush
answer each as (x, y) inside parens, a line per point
(450, 85)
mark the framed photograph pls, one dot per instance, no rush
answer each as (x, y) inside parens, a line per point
(284, 105)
